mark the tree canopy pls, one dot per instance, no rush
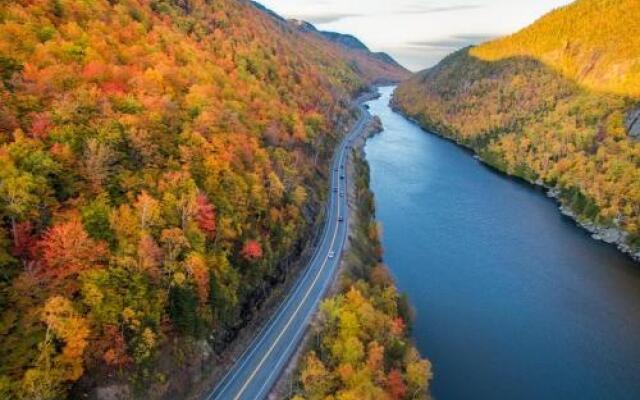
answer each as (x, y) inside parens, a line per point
(159, 160)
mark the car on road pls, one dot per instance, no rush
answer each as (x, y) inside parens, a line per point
(335, 190)
(340, 218)
(332, 254)
(341, 176)
(341, 194)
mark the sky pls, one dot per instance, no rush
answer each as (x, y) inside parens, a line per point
(417, 33)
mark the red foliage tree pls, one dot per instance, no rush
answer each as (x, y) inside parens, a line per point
(93, 70)
(67, 249)
(206, 216)
(251, 251)
(116, 354)
(396, 387)
(40, 126)
(398, 326)
(114, 88)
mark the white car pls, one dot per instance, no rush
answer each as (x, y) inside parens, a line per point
(332, 254)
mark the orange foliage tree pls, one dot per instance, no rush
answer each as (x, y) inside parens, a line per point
(68, 250)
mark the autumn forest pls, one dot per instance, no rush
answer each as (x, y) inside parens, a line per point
(169, 168)
(161, 166)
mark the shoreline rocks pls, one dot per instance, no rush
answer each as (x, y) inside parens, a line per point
(610, 235)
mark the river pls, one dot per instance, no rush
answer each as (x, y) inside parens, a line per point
(512, 300)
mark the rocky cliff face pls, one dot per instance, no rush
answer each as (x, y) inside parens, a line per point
(632, 123)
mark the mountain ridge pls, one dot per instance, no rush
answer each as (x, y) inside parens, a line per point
(594, 42)
(348, 41)
(362, 57)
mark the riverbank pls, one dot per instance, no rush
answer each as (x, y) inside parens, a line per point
(612, 235)
(365, 283)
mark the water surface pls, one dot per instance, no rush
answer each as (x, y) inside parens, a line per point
(513, 300)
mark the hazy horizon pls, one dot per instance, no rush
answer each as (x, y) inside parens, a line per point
(417, 34)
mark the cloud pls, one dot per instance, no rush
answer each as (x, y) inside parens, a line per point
(327, 17)
(418, 8)
(452, 42)
(454, 8)
(324, 17)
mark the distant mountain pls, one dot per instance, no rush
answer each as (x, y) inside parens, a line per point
(386, 58)
(267, 10)
(557, 103)
(353, 43)
(348, 41)
(378, 67)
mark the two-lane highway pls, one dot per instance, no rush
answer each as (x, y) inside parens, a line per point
(256, 371)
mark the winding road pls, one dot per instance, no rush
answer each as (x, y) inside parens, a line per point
(256, 371)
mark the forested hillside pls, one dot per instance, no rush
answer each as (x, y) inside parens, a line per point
(161, 163)
(594, 42)
(554, 104)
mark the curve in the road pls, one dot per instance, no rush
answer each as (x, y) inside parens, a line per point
(257, 369)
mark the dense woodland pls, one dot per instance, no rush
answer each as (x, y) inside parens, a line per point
(161, 162)
(532, 106)
(359, 345)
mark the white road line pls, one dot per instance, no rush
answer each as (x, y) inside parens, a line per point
(264, 333)
(301, 328)
(320, 294)
(295, 312)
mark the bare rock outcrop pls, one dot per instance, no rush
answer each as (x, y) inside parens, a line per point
(632, 123)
